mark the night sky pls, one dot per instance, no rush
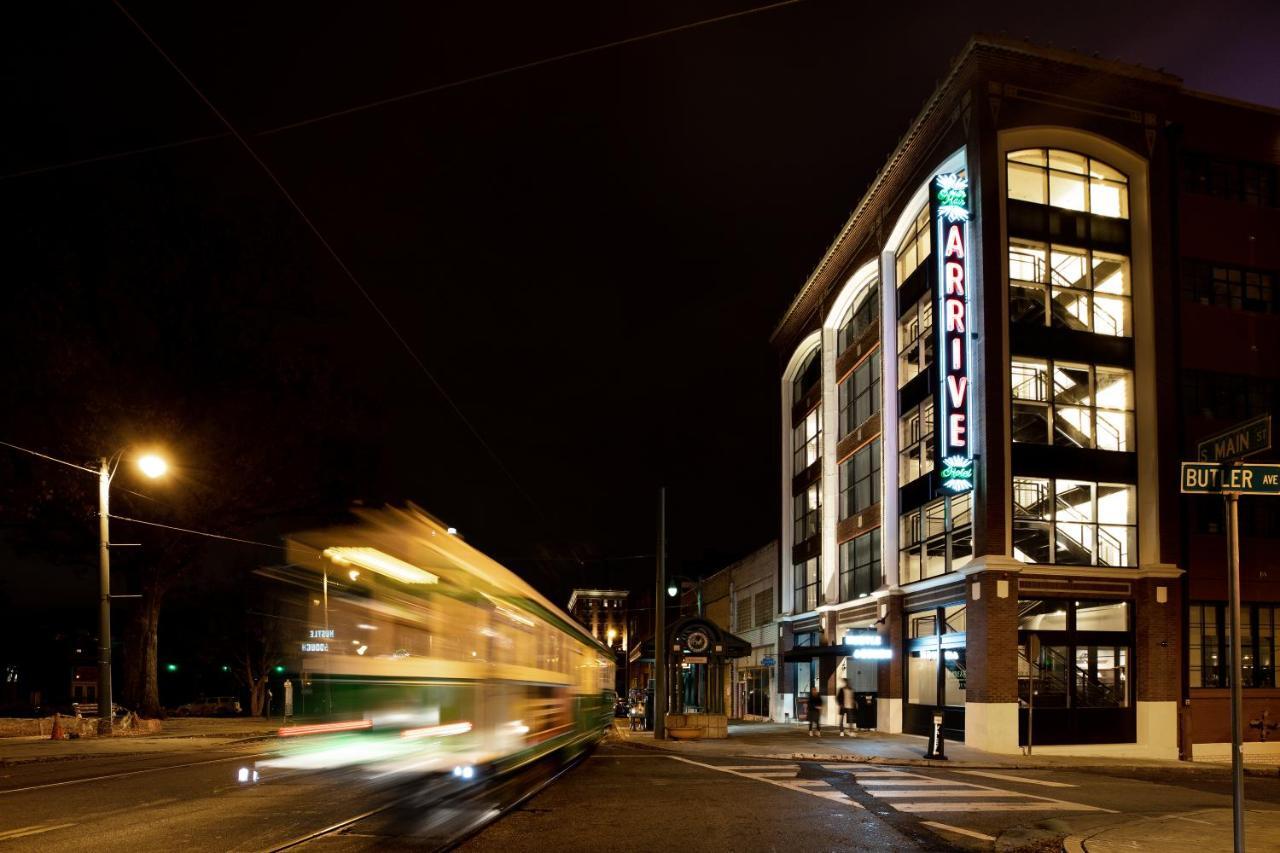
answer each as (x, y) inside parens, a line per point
(587, 255)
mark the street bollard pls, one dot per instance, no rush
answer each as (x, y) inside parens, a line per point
(936, 741)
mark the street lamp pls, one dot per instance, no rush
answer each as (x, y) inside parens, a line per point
(152, 466)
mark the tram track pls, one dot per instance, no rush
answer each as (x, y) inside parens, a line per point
(454, 837)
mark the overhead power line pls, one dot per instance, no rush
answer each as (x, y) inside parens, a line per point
(417, 93)
(92, 471)
(196, 532)
(333, 253)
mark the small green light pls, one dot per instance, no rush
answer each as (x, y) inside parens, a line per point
(279, 668)
(226, 668)
(173, 667)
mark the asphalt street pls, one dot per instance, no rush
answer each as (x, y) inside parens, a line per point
(621, 798)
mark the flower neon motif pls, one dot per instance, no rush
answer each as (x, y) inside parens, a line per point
(953, 197)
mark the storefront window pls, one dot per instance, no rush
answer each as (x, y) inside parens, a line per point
(1101, 674)
(922, 677)
(1209, 644)
(954, 676)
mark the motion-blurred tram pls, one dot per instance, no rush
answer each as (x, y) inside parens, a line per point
(421, 655)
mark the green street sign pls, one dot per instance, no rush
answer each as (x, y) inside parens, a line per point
(1211, 478)
(1243, 439)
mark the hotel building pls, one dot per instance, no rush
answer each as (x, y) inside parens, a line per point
(1062, 278)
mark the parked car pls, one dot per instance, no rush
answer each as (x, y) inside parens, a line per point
(216, 706)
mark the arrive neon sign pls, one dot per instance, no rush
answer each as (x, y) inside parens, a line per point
(950, 202)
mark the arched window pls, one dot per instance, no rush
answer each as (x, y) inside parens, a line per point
(808, 375)
(1068, 180)
(914, 247)
(864, 312)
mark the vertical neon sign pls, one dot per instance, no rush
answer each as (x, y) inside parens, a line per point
(950, 203)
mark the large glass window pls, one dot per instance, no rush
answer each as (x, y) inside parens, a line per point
(1072, 405)
(936, 538)
(914, 247)
(1074, 522)
(806, 578)
(916, 438)
(1071, 288)
(863, 314)
(915, 340)
(1068, 180)
(1229, 287)
(1084, 655)
(936, 659)
(1236, 180)
(860, 394)
(808, 512)
(1209, 644)
(860, 480)
(807, 441)
(860, 566)
(807, 376)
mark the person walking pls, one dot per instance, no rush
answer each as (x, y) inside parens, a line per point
(847, 708)
(815, 712)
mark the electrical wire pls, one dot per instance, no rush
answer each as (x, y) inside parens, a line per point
(369, 105)
(196, 532)
(333, 253)
(524, 66)
(92, 471)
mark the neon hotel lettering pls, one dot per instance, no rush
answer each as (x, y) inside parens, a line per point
(951, 215)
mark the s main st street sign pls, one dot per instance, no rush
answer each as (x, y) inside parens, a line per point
(1243, 439)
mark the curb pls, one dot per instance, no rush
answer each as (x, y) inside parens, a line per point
(1073, 844)
(1258, 770)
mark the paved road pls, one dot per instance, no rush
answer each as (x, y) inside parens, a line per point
(622, 798)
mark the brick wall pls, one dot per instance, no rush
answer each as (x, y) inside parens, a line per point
(992, 624)
(1157, 640)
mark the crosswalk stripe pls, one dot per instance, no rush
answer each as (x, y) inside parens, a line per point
(946, 827)
(921, 780)
(1045, 782)
(928, 792)
(778, 774)
(1048, 805)
(789, 785)
(758, 766)
(811, 783)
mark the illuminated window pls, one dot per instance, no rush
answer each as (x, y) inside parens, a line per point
(860, 566)
(1071, 405)
(808, 512)
(807, 376)
(807, 441)
(914, 247)
(1074, 522)
(1066, 287)
(917, 439)
(860, 480)
(1067, 180)
(860, 394)
(936, 538)
(915, 340)
(806, 585)
(862, 315)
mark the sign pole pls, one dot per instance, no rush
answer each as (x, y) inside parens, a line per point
(1237, 689)
(660, 624)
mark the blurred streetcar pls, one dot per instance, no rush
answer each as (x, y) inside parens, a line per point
(420, 655)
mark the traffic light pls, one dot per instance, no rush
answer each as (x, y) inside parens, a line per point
(279, 668)
(226, 668)
(172, 667)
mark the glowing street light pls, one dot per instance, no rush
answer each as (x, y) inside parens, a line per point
(152, 466)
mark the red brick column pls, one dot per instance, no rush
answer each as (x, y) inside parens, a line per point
(992, 637)
(892, 633)
(1157, 643)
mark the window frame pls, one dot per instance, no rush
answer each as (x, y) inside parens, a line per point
(1090, 178)
(853, 570)
(918, 541)
(1042, 285)
(857, 393)
(849, 481)
(1049, 403)
(1085, 531)
(1251, 631)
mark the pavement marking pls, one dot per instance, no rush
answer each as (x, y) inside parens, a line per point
(921, 780)
(32, 830)
(132, 773)
(1191, 819)
(1045, 782)
(997, 807)
(790, 785)
(928, 792)
(759, 766)
(946, 827)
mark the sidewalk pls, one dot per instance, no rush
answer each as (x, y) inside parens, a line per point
(1198, 832)
(175, 735)
(789, 741)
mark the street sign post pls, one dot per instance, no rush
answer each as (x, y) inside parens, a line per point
(1243, 439)
(1220, 472)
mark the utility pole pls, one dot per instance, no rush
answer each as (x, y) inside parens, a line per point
(660, 624)
(1237, 689)
(104, 602)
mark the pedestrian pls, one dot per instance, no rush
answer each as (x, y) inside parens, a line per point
(815, 712)
(847, 708)
(266, 705)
